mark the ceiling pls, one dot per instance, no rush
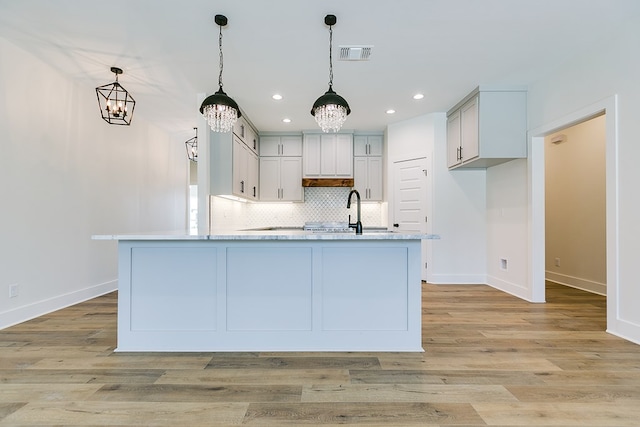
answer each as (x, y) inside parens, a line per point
(441, 48)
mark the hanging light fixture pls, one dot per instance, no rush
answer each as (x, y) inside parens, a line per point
(219, 109)
(192, 147)
(330, 110)
(116, 104)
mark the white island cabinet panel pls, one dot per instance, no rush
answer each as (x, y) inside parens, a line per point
(265, 294)
(369, 296)
(167, 294)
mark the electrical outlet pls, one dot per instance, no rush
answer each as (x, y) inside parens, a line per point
(13, 290)
(557, 262)
(503, 263)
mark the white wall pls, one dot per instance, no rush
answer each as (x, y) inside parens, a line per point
(507, 233)
(608, 69)
(457, 201)
(65, 175)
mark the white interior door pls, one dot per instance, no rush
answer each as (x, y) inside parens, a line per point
(410, 200)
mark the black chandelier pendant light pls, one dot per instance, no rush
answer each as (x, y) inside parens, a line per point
(220, 110)
(192, 147)
(116, 104)
(330, 110)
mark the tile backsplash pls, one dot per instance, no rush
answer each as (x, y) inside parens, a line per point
(320, 204)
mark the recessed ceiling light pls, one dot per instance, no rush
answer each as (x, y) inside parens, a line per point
(286, 120)
(277, 97)
(418, 96)
(391, 111)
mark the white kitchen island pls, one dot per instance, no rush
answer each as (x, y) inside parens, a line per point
(278, 290)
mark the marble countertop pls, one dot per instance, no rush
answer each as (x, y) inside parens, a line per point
(270, 233)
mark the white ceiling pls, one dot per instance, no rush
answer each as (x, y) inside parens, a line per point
(442, 48)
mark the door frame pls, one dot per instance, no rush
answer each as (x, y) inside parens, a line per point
(536, 195)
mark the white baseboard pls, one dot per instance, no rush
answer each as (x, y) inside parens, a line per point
(626, 330)
(31, 311)
(457, 279)
(576, 282)
(510, 288)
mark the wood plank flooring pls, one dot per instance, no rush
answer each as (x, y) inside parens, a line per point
(490, 359)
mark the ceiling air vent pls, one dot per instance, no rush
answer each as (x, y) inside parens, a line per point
(355, 53)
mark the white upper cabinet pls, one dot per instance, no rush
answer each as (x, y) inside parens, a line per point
(328, 155)
(243, 130)
(251, 140)
(281, 179)
(234, 163)
(245, 171)
(367, 145)
(488, 127)
(285, 145)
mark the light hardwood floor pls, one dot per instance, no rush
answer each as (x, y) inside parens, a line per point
(490, 359)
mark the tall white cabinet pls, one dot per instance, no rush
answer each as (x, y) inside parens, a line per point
(281, 169)
(367, 166)
(234, 162)
(245, 170)
(487, 127)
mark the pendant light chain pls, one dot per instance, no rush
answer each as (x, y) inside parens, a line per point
(221, 59)
(330, 55)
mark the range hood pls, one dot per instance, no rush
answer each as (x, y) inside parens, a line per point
(327, 182)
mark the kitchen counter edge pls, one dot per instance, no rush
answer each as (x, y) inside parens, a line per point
(267, 235)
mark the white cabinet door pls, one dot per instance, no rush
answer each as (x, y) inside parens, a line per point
(360, 175)
(453, 139)
(240, 166)
(367, 176)
(291, 179)
(328, 148)
(245, 171)
(270, 146)
(344, 155)
(253, 165)
(269, 178)
(311, 156)
(251, 139)
(239, 128)
(360, 146)
(291, 145)
(375, 178)
(469, 130)
(281, 179)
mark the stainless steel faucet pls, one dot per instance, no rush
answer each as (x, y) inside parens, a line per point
(358, 224)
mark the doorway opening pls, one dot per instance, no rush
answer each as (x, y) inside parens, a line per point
(575, 206)
(536, 164)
